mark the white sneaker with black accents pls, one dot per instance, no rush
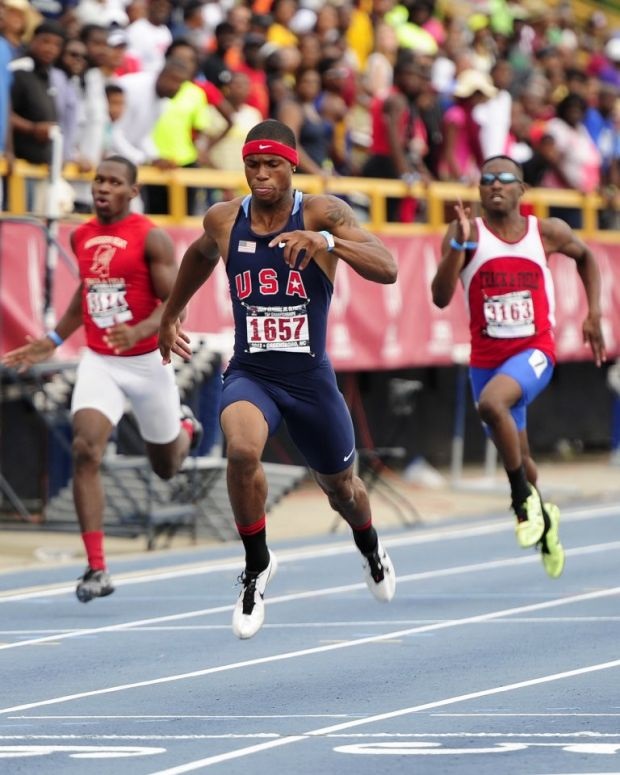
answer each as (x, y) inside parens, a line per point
(249, 613)
(379, 574)
(94, 583)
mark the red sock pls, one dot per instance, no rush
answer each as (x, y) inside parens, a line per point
(93, 543)
(188, 427)
(254, 540)
(365, 537)
(255, 527)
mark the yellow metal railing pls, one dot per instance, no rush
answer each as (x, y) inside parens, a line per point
(438, 197)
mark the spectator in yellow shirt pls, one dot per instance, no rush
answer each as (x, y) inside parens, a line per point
(279, 33)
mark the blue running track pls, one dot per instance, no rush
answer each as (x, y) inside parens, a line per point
(480, 665)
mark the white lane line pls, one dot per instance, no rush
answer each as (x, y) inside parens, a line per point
(335, 624)
(145, 738)
(226, 757)
(180, 716)
(469, 696)
(338, 735)
(318, 649)
(329, 731)
(347, 623)
(529, 735)
(438, 573)
(310, 553)
(441, 572)
(551, 714)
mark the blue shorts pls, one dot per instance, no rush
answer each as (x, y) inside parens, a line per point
(310, 403)
(532, 369)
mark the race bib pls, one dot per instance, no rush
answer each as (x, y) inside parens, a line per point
(278, 328)
(107, 304)
(509, 315)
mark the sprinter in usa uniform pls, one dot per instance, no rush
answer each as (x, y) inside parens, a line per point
(281, 249)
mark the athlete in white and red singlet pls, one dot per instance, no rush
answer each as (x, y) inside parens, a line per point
(501, 261)
(127, 268)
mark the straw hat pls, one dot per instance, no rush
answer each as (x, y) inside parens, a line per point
(31, 16)
(17, 5)
(470, 81)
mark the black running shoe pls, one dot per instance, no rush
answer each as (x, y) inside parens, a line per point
(94, 583)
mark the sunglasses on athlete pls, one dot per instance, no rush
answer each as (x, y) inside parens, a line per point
(488, 178)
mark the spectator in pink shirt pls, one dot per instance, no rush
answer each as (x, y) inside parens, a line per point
(462, 156)
(576, 159)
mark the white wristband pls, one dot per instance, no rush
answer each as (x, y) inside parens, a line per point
(329, 238)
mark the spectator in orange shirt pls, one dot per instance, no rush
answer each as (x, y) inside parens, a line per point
(252, 66)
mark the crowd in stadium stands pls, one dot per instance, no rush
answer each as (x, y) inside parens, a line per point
(421, 90)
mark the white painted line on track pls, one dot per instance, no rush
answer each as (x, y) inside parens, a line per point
(438, 573)
(178, 716)
(321, 649)
(336, 736)
(329, 731)
(333, 624)
(145, 738)
(551, 714)
(446, 533)
(469, 696)
(238, 754)
(540, 735)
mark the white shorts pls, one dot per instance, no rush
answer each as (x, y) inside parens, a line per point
(107, 382)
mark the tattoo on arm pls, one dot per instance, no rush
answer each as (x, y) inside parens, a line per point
(340, 214)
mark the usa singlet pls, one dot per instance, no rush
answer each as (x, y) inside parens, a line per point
(116, 279)
(510, 296)
(280, 312)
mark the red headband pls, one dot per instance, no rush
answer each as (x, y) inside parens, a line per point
(272, 147)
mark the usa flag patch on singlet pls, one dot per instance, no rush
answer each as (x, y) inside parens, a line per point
(246, 246)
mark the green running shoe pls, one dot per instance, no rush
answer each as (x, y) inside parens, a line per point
(530, 520)
(552, 551)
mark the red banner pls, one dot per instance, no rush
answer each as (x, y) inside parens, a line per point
(371, 326)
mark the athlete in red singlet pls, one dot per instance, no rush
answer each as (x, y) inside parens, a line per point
(127, 268)
(501, 260)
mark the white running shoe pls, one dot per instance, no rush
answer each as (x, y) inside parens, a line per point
(94, 583)
(379, 574)
(249, 613)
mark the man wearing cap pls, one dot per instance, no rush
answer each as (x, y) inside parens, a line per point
(119, 62)
(281, 249)
(461, 155)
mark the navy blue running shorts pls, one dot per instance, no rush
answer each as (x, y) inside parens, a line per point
(310, 403)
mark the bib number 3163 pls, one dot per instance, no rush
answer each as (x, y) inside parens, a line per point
(509, 315)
